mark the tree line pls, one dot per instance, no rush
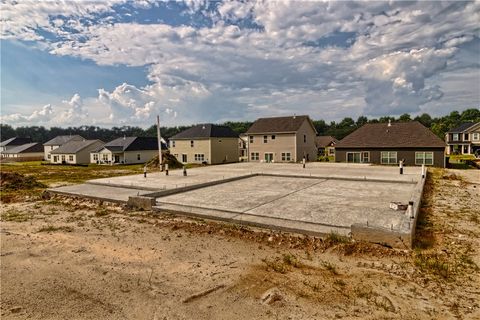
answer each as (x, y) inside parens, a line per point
(438, 125)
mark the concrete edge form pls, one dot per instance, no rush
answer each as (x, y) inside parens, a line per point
(300, 227)
(141, 202)
(76, 195)
(402, 237)
(117, 185)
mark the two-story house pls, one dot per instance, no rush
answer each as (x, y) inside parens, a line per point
(282, 139)
(57, 142)
(205, 143)
(464, 139)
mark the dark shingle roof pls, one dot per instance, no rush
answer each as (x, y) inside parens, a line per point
(206, 131)
(277, 124)
(74, 146)
(26, 148)
(60, 140)
(16, 141)
(323, 141)
(398, 135)
(464, 126)
(132, 144)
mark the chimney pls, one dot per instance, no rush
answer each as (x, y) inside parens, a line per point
(389, 122)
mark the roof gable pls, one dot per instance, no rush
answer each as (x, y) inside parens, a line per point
(324, 141)
(60, 140)
(278, 124)
(15, 141)
(73, 146)
(206, 131)
(463, 127)
(25, 148)
(398, 135)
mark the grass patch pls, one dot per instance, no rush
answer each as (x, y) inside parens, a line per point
(51, 228)
(335, 238)
(330, 267)
(15, 216)
(283, 264)
(434, 264)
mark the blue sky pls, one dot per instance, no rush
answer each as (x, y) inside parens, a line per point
(122, 62)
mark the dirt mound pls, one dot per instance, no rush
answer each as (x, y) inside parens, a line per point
(10, 181)
(167, 157)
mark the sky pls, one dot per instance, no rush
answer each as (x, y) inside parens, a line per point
(117, 62)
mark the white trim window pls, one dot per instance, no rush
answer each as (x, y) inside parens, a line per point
(251, 139)
(358, 157)
(70, 158)
(105, 157)
(425, 158)
(172, 143)
(286, 156)
(265, 139)
(254, 156)
(475, 136)
(95, 157)
(199, 157)
(192, 143)
(388, 157)
(138, 156)
(455, 137)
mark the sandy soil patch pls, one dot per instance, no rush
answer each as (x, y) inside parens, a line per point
(63, 258)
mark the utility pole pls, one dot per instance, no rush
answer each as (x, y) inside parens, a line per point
(159, 137)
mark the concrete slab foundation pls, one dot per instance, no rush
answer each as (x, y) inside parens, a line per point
(348, 199)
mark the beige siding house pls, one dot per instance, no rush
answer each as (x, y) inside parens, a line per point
(74, 152)
(57, 142)
(126, 150)
(206, 143)
(282, 139)
(464, 139)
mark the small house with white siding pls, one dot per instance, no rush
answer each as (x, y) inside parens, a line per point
(75, 152)
(126, 150)
(56, 142)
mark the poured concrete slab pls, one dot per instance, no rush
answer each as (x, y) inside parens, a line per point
(113, 194)
(156, 181)
(296, 203)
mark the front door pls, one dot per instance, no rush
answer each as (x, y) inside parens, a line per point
(268, 157)
(184, 158)
(117, 158)
(353, 157)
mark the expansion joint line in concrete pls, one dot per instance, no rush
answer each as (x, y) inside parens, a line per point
(284, 196)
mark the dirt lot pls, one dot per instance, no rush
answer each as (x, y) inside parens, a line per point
(64, 258)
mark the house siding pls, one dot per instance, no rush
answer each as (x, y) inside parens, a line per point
(402, 153)
(469, 143)
(145, 156)
(200, 146)
(283, 142)
(308, 148)
(224, 150)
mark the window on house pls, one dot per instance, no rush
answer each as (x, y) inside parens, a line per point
(304, 138)
(286, 156)
(70, 158)
(254, 156)
(49, 156)
(365, 157)
(476, 136)
(95, 156)
(191, 143)
(465, 137)
(105, 157)
(354, 157)
(251, 139)
(331, 151)
(265, 139)
(63, 158)
(425, 158)
(172, 143)
(455, 137)
(273, 137)
(388, 157)
(138, 156)
(199, 157)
